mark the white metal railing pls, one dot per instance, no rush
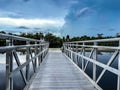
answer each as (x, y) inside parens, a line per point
(40, 50)
(76, 50)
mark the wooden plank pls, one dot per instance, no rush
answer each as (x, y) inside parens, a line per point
(58, 73)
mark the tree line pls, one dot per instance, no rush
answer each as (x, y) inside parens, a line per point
(55, 41)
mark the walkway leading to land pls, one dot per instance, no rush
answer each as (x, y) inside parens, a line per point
(58, 73)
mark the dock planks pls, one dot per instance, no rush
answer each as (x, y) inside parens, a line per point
(58, 73)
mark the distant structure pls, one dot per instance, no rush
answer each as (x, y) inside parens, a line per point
(67, 38)
(100, 35)
(117, 34)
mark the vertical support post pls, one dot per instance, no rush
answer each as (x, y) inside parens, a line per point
(68, 49)
(83, 53)
(42, 53)
(70, 46)
(71, 51)
(63, 48)
(36, 57)
(9, 66)
(118, 79)
(77, 52)
(47, 48)
(27, 59)
(94, 65)
(64, 45)
(76, 47)
(39, 60)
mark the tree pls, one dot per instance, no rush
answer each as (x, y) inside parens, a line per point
(63, 39)
(2, 32)
(100, 35)
(54, 41)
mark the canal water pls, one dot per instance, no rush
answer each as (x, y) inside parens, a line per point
(17, 79)
(108, 81)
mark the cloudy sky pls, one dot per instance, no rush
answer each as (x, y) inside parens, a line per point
(61, 17)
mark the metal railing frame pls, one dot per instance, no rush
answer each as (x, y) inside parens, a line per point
(40, 50)
(71, 50)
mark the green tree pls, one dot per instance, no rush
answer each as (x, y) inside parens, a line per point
(54, 41)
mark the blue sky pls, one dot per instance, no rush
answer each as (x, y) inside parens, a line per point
(61, 17)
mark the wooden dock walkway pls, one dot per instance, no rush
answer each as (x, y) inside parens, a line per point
(59, 73)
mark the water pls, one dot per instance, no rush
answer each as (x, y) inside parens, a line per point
(108, 81)
(18, 83)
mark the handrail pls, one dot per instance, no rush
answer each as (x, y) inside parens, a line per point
(39, 48)
(26, 63)
(6, 36)
(5, 48)
(76, 52)
(97, 40)
(93, 46)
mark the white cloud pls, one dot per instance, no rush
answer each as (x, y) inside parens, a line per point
(4, 13)
(31, 22)
(57, 34)
(82, 11)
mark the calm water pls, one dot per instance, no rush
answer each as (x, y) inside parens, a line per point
(17, 79)
(108, 81)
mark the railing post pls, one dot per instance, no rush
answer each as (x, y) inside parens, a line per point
(47, 48)
(41, 48)
(68, 49)
(77, 50)
(36, 57)
(83, 53)
(9, 66)
(43, 52)
(71, 52)
(65, 48)
(39, 61)
(94, 65)
(27, 59)
(118, 79)
(76, 47)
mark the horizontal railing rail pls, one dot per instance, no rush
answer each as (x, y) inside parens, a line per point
(6, 48)
(76, 52)
(40, 50)
(6, 36)
(92, 46)
(97, 40)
